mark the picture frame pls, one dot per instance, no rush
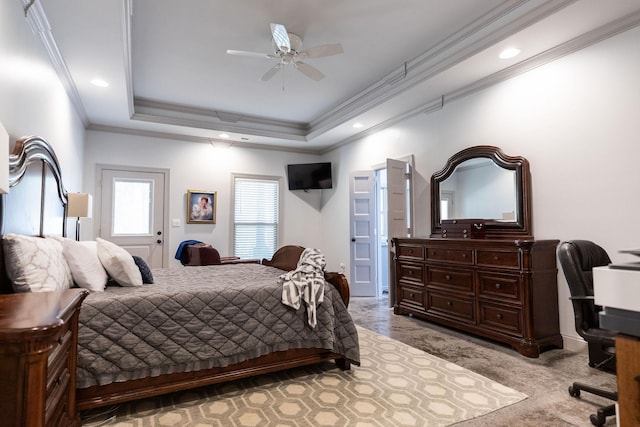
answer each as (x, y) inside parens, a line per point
(199, 213)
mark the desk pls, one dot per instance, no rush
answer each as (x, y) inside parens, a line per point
(618, 291)
(628, 377)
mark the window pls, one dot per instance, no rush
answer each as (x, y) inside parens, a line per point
(132, 201)
(256, 216)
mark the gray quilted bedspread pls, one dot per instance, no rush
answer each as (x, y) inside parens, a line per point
(195, 318)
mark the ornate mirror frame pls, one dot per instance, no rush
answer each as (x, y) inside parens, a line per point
(521, 226)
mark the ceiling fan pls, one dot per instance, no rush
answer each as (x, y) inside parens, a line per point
(288, 51)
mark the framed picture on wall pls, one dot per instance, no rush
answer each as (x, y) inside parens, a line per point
(201, 207)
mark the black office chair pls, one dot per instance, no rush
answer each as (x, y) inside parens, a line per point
(577, 258)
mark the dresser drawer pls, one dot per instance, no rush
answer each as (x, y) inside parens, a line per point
(411, 296)
(462, 256)
(508, 259)
(493, 285)
(501, 318)
(413, 273)
(58, 359)
(58, 377)
(458, 280)
(57, 399)
(410, 252)
(453, 307)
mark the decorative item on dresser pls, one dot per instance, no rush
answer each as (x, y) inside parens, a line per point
(38, 347)
(500, 284)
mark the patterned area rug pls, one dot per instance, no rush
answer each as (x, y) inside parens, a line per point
(396, 385)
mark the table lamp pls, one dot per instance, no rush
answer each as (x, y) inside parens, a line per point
(80, 205)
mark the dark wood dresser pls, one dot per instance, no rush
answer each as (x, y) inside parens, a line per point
(505, 290)
(481, 270)
(38, 348)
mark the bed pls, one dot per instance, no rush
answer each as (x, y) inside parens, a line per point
(179, 332)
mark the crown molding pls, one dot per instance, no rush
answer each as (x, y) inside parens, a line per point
(599, 34)
(39, 24)
(200, 139)
(181, 115)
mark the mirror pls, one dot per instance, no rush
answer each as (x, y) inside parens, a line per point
(483, 183)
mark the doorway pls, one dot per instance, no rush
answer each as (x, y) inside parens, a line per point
(381, 206)
(132, 203)
(382, 241)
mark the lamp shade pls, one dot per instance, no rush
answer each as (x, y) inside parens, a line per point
(4, 160)
(80, 205)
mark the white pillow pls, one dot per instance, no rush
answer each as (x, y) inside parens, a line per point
(119, 263)
(35, 264)
(86, 268)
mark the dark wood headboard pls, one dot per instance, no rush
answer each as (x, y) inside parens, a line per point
(36, 204)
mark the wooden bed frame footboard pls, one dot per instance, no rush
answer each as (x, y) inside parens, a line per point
(114, 393)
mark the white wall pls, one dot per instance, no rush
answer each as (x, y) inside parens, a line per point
(199, 166)
(576, 120)
(32, 99)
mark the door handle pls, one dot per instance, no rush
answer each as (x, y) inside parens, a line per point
(158, 241)
(353, 239)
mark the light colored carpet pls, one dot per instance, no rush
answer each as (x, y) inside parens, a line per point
(396, 385)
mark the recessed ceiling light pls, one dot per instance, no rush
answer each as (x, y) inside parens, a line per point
(99, 83)
(224, 135)
(357, 125)
(509, 52)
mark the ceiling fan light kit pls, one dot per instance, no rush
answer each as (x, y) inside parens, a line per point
(288, 50)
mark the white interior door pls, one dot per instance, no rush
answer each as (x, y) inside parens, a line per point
(132, 206)
(363, 241)
(398, 205)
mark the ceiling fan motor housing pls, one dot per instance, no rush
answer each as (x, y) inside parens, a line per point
(295, 42)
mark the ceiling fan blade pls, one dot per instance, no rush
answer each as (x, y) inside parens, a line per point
(271, 72)
(321, 51)
(309, 71)
(281, 37)
(252, 54)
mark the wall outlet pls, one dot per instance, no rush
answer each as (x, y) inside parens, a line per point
(175, 223)
(342, 267)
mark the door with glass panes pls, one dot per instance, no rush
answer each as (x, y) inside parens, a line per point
(132, 211)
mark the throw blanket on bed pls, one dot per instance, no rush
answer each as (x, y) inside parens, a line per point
(305, 283)
(195, 318)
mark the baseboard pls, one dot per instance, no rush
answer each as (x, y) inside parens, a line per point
(577, 345)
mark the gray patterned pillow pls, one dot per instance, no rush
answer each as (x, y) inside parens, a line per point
(35, 264)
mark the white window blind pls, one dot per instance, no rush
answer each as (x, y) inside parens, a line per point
(256, 217)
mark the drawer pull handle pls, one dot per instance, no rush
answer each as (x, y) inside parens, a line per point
(447, 277)
(409, 273)
(499, 316)
(449, 303)
(496, 257)
(410, 251)
(464, 255)
(412, 295)
(498, 285)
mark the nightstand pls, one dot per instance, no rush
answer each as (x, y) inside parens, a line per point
(38, 349)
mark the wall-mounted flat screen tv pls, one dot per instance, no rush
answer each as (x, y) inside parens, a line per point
(309, 176)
